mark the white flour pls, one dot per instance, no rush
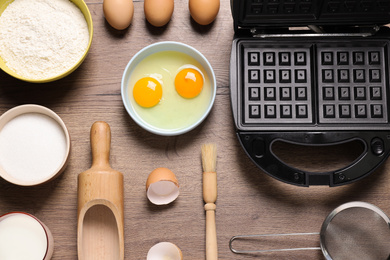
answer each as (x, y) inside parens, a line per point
(40, 39)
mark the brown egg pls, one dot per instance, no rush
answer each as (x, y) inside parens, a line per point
(158, 12)
(118, 13)
(204, 12)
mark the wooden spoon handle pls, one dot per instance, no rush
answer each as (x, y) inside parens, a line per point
(100, 144)
(211, 232)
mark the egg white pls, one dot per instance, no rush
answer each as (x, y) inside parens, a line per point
(173, 112)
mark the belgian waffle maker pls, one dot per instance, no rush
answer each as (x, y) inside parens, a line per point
(311, 72)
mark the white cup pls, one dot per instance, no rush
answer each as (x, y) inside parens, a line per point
(23, 236)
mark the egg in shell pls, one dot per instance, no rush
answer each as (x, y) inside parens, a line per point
(164, 251)
(158, 12)
(204, 12)
(162, 186)
(118, 13)
(189, 81)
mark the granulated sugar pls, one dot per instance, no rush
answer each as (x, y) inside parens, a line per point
(40, 39)
(32, 147)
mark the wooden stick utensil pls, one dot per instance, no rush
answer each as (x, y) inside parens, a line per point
(209, 159)
(100, 203)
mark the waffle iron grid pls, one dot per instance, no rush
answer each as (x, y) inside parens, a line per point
(314, 84)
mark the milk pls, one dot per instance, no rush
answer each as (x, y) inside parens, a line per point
(22, 237)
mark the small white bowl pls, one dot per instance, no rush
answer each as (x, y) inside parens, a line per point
(159, 47)
(35, 130)
(24, 235)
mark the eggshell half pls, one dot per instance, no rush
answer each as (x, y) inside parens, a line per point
(163, 251)
(162, 186)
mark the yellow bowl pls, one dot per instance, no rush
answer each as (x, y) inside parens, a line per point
(84, 9)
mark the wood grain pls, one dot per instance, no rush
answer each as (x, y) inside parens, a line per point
(210, 194)
(100, 228)
(249, 201)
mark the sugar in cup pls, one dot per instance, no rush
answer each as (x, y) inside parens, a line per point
(34, 145)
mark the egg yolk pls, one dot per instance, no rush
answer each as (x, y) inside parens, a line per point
(147, 92)
(189, 83)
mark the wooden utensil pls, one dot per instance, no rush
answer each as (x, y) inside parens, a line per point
(100, 203)
(209, 159)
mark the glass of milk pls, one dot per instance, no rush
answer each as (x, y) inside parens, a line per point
(23, 236)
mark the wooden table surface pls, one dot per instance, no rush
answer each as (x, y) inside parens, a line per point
(249, 201)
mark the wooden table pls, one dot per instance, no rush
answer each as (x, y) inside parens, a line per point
(249, 201)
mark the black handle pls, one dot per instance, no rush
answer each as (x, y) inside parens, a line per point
(258, 147)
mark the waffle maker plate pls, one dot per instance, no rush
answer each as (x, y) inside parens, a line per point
(323, 86)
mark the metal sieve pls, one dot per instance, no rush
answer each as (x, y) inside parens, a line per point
(354, 230)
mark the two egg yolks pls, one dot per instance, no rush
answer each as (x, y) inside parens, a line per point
(147, 91)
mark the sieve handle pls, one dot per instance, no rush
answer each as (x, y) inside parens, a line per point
(246, 237)
(258, 145)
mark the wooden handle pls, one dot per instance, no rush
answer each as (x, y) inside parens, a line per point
(211, 232)
(100, 229)
(100, 144)
(209, 187)
(210, 196)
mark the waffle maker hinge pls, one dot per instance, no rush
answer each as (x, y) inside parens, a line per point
(317, 31)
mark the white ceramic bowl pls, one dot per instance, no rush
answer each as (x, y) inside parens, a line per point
(24, 235)
(159, 47)
(25, 154)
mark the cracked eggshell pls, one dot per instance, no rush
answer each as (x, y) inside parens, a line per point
(162, 186)
(163, 251)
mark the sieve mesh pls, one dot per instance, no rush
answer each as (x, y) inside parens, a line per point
(353, 231)
(356, 233)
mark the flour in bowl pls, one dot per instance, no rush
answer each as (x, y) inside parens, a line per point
(40, 39)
